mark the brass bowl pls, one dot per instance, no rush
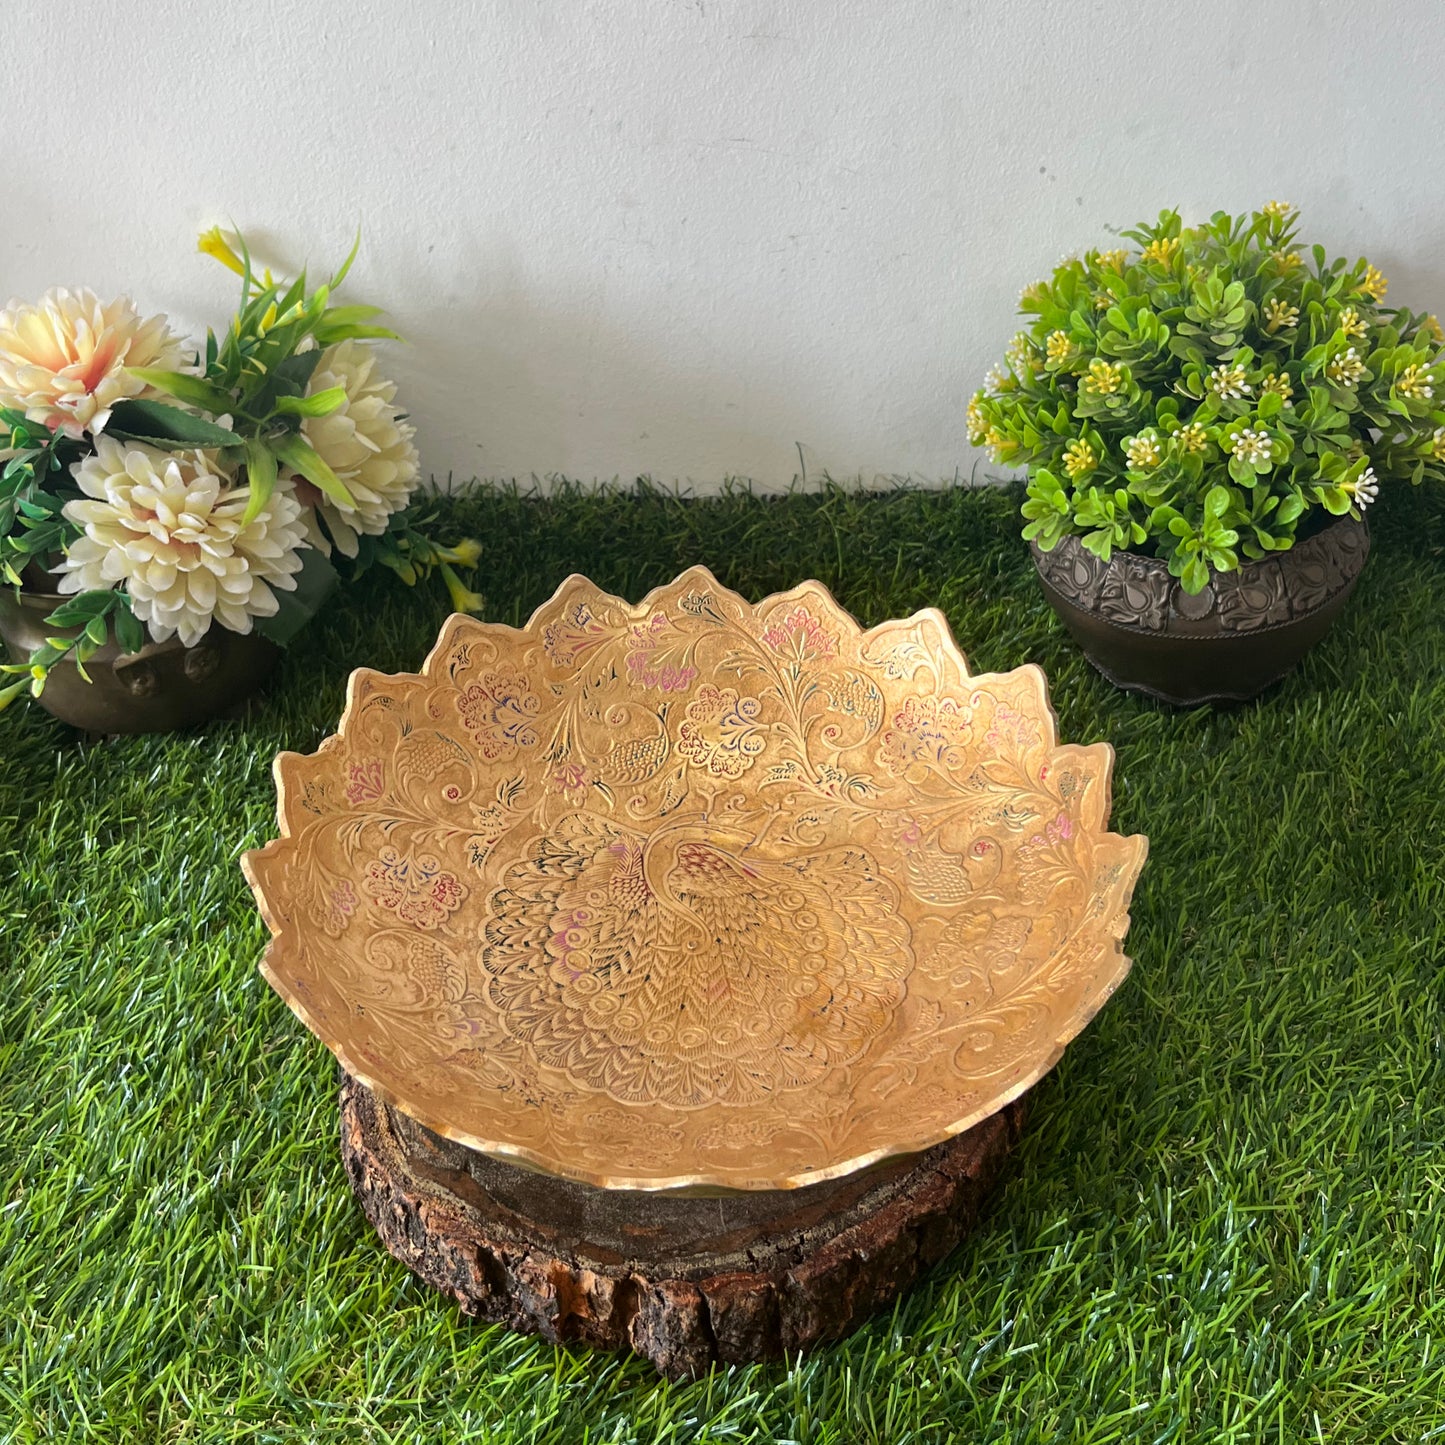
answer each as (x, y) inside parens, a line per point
(696, 894)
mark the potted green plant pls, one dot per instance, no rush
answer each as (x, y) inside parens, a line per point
(165, 527)
(1205, 416)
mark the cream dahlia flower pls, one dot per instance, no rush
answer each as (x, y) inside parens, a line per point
(364, 442)
(63, 361)
(169, 526)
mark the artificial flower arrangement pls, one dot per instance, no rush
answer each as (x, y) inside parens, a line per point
(232, 491)
(1209, 395)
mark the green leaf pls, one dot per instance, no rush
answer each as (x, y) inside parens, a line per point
(296, 369)
(187, 388)
(341, 275)
(297, 453)
(260, 478)
(81, 609)
(314, 583)
(321, 403)
(129, 632)
(352, 315)
(1195, 577)
(328, 333)
(166, 426)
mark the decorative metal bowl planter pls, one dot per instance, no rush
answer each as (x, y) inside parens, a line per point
(692, 896)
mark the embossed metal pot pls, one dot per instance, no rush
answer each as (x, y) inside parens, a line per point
(1246, 630)
(162, 687)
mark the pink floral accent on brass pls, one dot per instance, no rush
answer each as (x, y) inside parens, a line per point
(801, 636)
(364, 783)
(647, 665)
(1054, 833)
(1012, 729)
(573, 782)
(697, 893)
(417, 890)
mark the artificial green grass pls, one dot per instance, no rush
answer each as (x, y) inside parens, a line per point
(1226, 1220)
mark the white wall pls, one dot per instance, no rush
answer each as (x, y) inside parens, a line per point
(629, 236)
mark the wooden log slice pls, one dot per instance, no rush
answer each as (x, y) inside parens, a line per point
(687, 1281)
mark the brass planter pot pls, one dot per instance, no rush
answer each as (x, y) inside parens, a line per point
(162, 687)
(1245, 631)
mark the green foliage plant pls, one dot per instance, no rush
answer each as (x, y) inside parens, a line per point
(1209, 393)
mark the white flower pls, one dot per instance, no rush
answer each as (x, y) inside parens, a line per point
(1415, 382)
(1191, 438)
(364, 442)
(63, 361)
(1142, 451)
(1346, 369)
(993, 380)
(168, 525)
(1228, 381)
(1365, 488)
(1020, 356)
(1279, 314)
(977, 422)
(1253, 446)
(1353, 324)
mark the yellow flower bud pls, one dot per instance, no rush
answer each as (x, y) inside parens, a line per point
(466, 553)
(463, 600)
(1079, 458)
(213, 243)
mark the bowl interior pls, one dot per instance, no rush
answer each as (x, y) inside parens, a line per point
(696, 893)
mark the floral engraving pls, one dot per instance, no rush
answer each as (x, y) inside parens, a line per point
(500, 710)
(572, 635)
(800, 636)
(720, 733)
(926, 734)
(418, 890)
(364, 782)
(648, 661)
(695, 889)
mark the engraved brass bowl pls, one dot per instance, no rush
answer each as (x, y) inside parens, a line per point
(696, 894)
